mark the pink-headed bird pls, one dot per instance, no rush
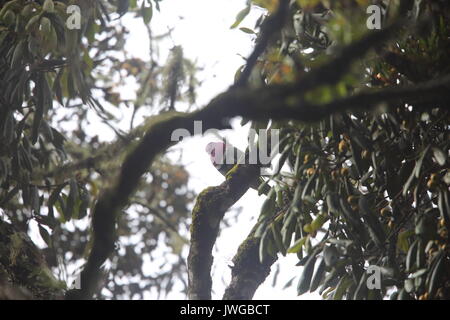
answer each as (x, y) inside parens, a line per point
(224, 157)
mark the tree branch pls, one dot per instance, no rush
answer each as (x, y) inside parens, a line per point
(248, 272)
(209, 209)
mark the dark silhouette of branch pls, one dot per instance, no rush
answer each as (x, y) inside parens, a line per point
(248, 272)
(210, 207)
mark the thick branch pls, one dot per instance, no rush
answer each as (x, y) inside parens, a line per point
(248, 272)
(210, 207)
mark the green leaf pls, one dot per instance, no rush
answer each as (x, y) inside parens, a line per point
(436, 274)
(34, 199)
(402, 241)
(297, 246)
(269, 205)
(240, 16)
(440, 156)
(318, 276)
(18, 54)
(361, 289)
(147, 13)
(277, 237)
(420, 161)
(48, 6)
(342, 287)
(72, 200)
(305, 278)
(410, 261)
(45, 235)
(40, 107)
(247, 30)
(32, 22)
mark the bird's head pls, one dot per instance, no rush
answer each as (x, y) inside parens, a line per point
(216, 151)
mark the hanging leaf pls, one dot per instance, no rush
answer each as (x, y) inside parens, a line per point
(318, 276)
(305, 278)
(72, 200)
(241, 16)
(45, 235)
(247, 30)
(440, 156)
(147, 12)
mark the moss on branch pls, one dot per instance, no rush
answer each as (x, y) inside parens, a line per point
(248, 271)
(23, 271)
(209, 209)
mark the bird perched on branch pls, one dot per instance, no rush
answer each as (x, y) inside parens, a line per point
(225, 156)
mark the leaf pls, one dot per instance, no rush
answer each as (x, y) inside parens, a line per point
(84, 202)
(147, 12)
(31, 23)
(71, 200)
(289, 283)
(48, 6)
(40, 107)
(402, 241)
(18, 54)
(410, 261)
(305, 278)
(436, 275)
(330, 255)
(408, 183)
(440, 156)
(45, 235)
(318, 276)
(444, 206)
(283, 157)
(277, 237)
(266, 247)
(420, 161)
(361, 289)
(342, 287)
(376, 231)
(34, 199)
(297, 246)
(240, 16)
(247, 30)
(60, 206)
(269, 205)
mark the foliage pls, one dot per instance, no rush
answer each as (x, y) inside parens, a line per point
(366, 188)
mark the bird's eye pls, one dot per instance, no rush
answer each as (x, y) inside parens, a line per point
(213, 152)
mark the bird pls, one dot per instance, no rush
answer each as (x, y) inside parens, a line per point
(225, 156)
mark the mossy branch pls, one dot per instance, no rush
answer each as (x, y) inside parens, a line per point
(209, 209)
(248, 272)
